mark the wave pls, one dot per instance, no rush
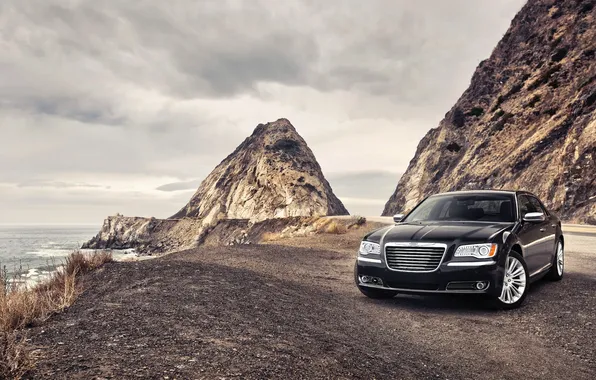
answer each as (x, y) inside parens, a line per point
(50, 252)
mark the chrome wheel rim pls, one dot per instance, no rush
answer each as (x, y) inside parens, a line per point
(514, 281)
(560, 259)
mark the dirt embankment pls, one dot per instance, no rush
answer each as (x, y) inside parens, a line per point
(292, 311)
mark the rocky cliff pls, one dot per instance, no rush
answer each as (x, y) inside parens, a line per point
(272, 174)
(147, 235)
(527, 121)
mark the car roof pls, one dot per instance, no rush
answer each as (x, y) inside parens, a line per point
(509, 192)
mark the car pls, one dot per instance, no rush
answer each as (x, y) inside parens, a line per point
(488, 242)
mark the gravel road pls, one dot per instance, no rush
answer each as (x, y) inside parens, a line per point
(290, 310)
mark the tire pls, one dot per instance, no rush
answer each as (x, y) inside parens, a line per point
(516, 286)
(373, 293)
(556, 271)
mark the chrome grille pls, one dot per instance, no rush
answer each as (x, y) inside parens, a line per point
(414, 257)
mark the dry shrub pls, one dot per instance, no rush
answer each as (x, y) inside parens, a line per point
(270, 236)
(329, 226)
(80, 263)
(321, 225)
(336, 228)
(357, 221)
(21, 307)
(16, 357)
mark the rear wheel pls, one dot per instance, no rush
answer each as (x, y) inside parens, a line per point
(556, 271)
(373, 293)
(516, 281)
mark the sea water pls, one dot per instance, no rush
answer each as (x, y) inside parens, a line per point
(35, 251)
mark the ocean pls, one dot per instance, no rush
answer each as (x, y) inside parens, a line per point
(35, 251)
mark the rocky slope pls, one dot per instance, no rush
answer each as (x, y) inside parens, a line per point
(147, 235)
(527, 121)
(272, 174)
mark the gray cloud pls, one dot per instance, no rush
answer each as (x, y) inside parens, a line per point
(154, 92)
(58, 184)
(179, 186)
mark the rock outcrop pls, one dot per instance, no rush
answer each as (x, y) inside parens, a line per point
(272, 174)
(147, 235)
(527, 121)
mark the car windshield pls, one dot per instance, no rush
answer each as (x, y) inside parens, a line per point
(465, 207)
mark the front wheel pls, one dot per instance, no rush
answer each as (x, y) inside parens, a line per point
(515, 283)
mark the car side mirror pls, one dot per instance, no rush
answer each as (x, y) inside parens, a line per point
(534, 217)
(398, 218)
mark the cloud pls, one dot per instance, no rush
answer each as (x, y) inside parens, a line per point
(58, 184)
(179, 186)
(155, 94)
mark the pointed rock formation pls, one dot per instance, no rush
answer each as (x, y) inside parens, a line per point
(271, 174)
(527, 121)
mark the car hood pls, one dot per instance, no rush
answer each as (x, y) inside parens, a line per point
(445, 231)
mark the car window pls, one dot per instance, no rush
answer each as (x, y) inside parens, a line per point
(424, 211)
(525, 206)
(468, 207)
(536, 203)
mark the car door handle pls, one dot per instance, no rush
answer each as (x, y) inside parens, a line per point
(542, 229)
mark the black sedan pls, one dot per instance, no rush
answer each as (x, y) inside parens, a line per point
(486, 242)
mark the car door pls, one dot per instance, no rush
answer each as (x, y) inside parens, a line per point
(548, 230)
(530, 236)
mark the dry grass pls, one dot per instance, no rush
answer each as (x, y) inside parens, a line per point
(330, 226)
(17, 358)
(21, 307)
(357, 221)
(336, 228)
(270, 236)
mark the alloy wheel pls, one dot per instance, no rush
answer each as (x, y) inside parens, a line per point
(560, 259)
(514, 281)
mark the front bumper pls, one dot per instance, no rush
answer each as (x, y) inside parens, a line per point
(449, 277)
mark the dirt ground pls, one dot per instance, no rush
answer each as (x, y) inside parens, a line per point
(292, 311)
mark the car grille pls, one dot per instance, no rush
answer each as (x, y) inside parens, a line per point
(414, 258)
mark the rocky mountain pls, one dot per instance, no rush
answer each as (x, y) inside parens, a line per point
(527, 121)
(272, 174)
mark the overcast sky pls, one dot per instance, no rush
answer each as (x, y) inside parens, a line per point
(124, 106)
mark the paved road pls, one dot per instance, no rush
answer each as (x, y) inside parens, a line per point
(582, 244)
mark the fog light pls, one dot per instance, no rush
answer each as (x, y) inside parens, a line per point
(480, 285)
(371, 280)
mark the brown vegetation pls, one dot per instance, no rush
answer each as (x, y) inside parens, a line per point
(21, 307)
(270, 236)
(337, 226)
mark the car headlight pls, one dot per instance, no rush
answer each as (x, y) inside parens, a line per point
(479, 251)
(369, 248)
